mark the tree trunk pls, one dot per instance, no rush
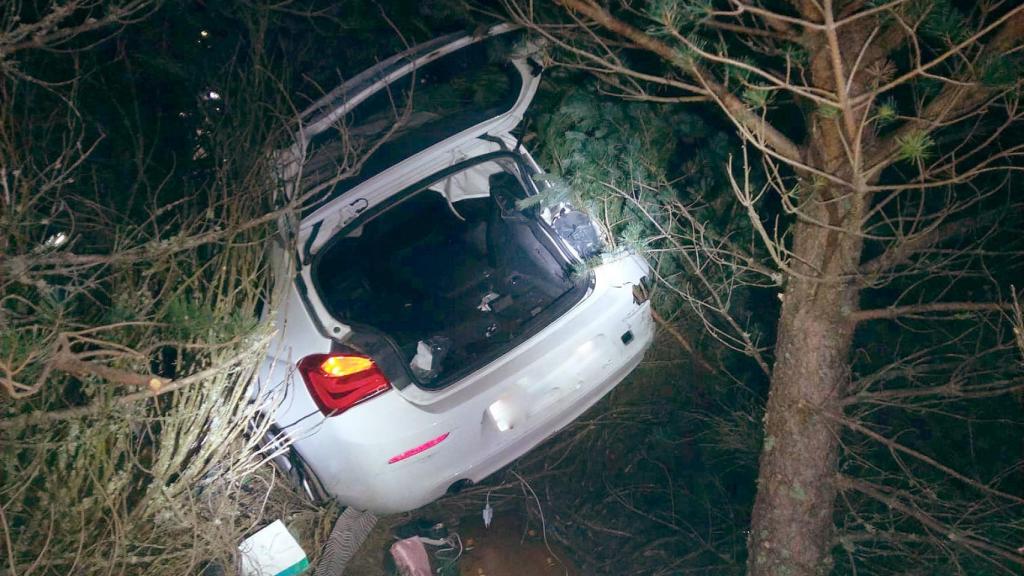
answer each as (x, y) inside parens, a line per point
(793, 518)
(792, 524)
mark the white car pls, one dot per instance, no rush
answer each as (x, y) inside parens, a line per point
(438, 325)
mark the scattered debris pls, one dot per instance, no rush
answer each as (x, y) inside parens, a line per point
(410, 556)
(272, 551)
(485, 302)
(488, 513)
(430, 354)
(578, 230)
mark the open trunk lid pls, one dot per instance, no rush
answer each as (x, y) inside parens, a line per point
(425, 141)
(359, 143)
(367, 106)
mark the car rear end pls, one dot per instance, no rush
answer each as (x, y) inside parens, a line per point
(369, 414)
(393, 450)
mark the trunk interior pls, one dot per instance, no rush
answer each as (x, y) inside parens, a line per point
(454, 284)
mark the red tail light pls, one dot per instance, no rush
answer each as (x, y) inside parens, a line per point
(338, 382)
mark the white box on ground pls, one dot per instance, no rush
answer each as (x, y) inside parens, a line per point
(272, 551)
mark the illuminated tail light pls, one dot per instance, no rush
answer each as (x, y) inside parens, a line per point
(338, 382)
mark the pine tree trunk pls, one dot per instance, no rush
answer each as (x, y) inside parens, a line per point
(792, 524)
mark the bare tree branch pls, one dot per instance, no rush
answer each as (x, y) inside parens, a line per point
(926, 308)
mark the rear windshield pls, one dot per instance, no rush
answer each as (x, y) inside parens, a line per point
(423, 108)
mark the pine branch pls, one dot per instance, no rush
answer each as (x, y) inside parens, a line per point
(902, 251)
(956, 98)
(152, 391)
(684, 343)
(735, 107)
(68, 362)
(917, 309)
(968, 540)
(897, 447)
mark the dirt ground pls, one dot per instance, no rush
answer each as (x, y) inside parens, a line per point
(507, 548)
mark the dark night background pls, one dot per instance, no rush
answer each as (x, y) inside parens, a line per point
(659, 478)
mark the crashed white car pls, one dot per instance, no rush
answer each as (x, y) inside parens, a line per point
(438, 324)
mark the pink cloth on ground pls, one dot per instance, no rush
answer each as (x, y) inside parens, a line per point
(411, 557)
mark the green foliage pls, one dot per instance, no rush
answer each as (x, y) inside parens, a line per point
(192, 319)
(599, 146)
(796, 55)
(943, 21)
(635, 166)
(1002, 70)
(677, 15)
(686, 56)
(633, 234)
(581, 269)
(667, 15)
(887, 112)
(757, 96)
(927, 88)
(740, 74)
(916, 146)
(827, 111)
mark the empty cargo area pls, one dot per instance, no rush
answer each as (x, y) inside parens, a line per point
(454, 274)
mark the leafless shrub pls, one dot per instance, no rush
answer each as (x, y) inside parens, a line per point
(128, 341)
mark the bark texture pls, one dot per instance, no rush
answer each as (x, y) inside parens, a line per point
(792, 524)
(792, 520)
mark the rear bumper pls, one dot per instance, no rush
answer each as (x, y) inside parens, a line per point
(543, 430)
(539, 388)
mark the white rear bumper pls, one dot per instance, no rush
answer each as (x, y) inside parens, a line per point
(540, 387)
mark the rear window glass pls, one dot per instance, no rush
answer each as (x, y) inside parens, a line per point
(417, 111)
